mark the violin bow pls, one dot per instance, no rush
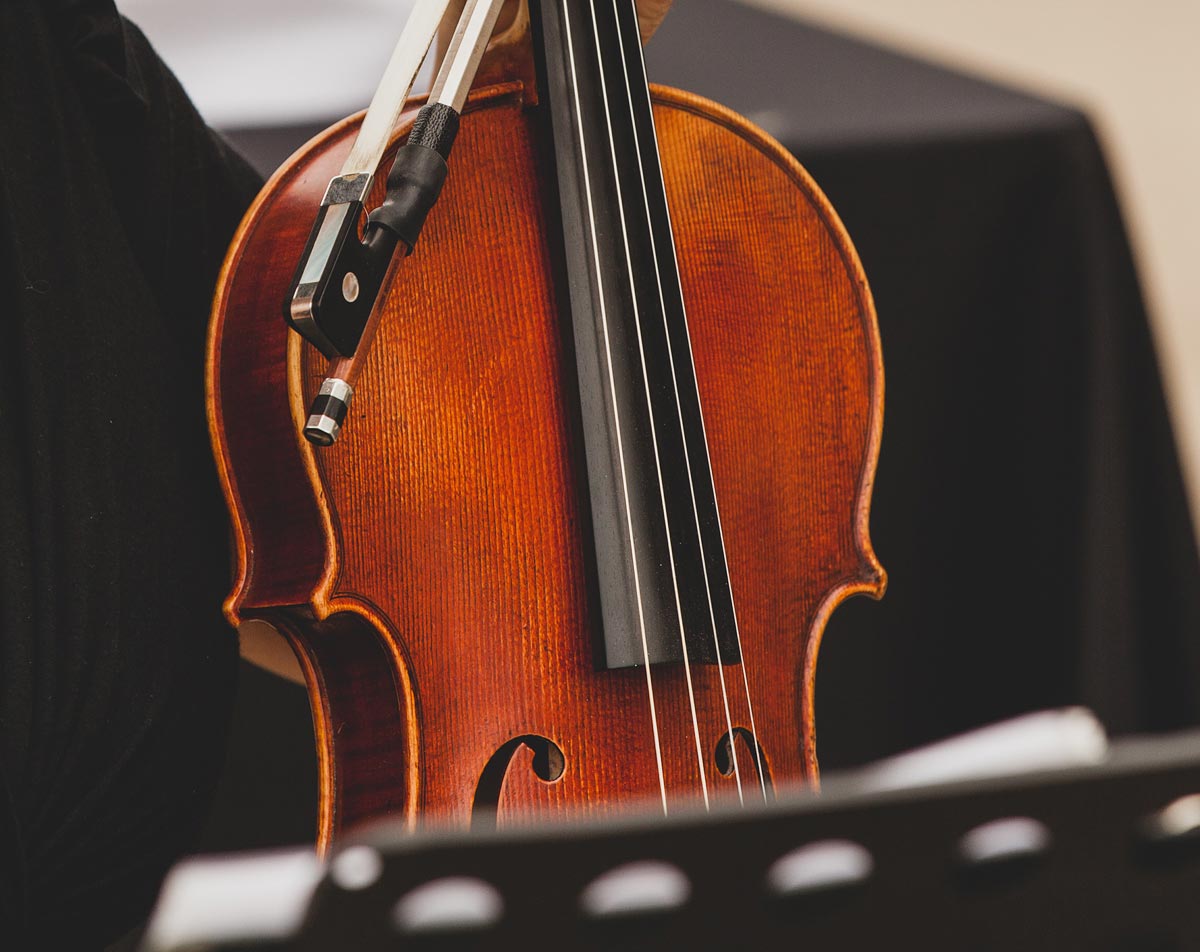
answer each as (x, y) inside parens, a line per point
(333, 296)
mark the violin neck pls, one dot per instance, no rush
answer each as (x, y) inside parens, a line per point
(663, 581)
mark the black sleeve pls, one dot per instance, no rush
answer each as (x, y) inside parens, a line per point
(116, 668)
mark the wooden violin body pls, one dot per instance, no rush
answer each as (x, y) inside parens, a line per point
(432, 568)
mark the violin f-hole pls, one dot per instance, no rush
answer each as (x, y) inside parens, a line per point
(752, 761)
(544, 758)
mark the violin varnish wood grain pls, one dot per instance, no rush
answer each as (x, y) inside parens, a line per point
(447, 523)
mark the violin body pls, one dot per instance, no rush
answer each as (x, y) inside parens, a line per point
(431, 569)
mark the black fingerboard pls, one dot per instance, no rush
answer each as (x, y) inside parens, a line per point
(660, 559)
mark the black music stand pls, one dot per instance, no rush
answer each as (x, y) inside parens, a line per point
(1102, 857)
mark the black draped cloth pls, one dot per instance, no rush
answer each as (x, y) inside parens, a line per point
(116, 669)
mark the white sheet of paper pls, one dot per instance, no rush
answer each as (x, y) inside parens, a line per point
(1044, 740)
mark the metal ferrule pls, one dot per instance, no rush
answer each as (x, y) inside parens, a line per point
(338, 389)
(328, 412)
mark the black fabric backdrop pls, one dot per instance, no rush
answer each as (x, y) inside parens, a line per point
(116, 669)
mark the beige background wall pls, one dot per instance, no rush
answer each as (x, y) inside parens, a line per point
(1135, 68)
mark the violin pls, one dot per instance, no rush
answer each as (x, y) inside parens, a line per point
(554, 506)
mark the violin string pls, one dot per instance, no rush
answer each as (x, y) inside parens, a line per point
(587, 188)
(637, 322)
(703, 430)
(637, 151)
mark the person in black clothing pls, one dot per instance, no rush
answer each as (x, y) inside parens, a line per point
(116, 207)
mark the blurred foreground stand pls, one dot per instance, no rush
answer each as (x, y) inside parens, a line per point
(1079, 857)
